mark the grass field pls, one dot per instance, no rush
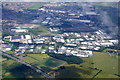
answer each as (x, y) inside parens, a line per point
(78, 70)
(39, 30)
(70, 71)
(42, 60)
(105, 75)
(108, 49)
(84, 70)
(101, 60)
(10, 52)
(12, 69)
(37, 5)
(106, 62)
(87, 69)
(6, 66)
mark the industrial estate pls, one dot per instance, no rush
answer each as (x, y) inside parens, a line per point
(59, 40)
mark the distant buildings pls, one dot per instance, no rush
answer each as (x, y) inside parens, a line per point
(20, 30)
(15, 39)
(21, 39)
(6, 47)
(74, 21)
(83, 53)
(54, 29)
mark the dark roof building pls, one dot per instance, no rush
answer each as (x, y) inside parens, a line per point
(16, 37)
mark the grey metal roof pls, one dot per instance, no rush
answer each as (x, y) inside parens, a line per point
(16, 37)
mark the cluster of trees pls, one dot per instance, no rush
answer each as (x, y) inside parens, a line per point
(69, 59)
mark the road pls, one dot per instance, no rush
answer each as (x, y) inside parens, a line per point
(32, 67)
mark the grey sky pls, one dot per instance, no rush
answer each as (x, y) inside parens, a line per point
(60, 0)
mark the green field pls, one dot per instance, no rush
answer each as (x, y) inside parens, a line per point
(75, 71)
(106, 62)
(6, 66)
(82, 70)
(70, 71)
(42, 60)
(37, 5)
(10, 52)
(12, 69)
(105, 75)
(39, 30)
(108, 49)
(87, 69)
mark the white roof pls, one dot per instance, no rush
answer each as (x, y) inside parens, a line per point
(80, 55)
(107, 43)
(84, 42)
(63, 47)
(19, 30)
(29, 41)
(87, 21)
(27, 36)
(91, 13)
(83, 47)
(96, 48)
(114, 41)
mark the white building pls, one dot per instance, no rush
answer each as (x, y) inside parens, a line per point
(27, 37)
(19, 30)
(114, 41)
(106, 43)
(83, 53)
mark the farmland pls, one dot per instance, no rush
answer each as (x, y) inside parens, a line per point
(90, 67)
(12, 69)
(106, 62)
(42, 60)
(82, 70)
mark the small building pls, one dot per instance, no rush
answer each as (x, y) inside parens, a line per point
(6, 47)
(16, 38)
(83, 53)
(19, 30)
